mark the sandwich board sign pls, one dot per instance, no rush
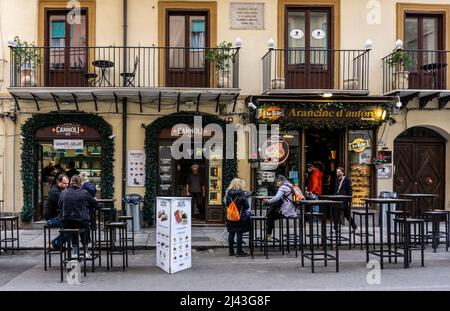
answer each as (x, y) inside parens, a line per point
(173, 233)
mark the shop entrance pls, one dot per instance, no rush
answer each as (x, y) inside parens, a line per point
(325, 147)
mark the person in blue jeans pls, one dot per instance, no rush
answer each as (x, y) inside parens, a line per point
(52, 208)
(236, 194)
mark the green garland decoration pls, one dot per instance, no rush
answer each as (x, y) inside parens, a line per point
(28, 168)
(151, 151)
(329, 124)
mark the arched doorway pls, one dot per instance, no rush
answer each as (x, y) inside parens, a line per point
(420, 163)
(161, 169)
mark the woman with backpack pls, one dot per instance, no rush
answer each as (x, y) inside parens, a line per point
(238, 221)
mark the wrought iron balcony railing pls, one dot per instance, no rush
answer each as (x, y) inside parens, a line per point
(415, 70)
(124, 67)
(316, 68)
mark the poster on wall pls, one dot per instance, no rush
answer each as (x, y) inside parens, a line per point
(136, 168)
(173, 234)
(385, 172)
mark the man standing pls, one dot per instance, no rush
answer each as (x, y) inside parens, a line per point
(196, 189)
(344, 187)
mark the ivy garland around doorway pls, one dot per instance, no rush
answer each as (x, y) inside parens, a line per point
(28, 130)
(151, 151)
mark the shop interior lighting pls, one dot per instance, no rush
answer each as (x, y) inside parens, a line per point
(327, 95)
(96, 151)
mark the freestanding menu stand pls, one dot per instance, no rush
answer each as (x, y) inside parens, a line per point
(173, 233)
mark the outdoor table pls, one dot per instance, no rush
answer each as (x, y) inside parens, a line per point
(103, 65)
(381, 252)
(258, 203)
(335, 212)
(415, 197)
(343, 199)
(101, 211)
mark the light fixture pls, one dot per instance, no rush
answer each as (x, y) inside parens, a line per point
(327, 95)
(251, 105)
(79, 151)
(398, 45)
(398, 104)
(271, 44)
(111, 136)
(238, 42)
(368, 45)
(383, 115)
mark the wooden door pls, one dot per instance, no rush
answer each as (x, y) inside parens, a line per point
(65, 49)
(309, 56)
(419, 159)
(424, 41)
(187, 38)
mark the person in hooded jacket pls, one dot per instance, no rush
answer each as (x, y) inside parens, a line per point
(236, 193)
(75, 203)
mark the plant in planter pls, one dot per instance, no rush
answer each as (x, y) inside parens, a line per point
(27, 58)
(401, 61)
(221, 57)
(378, 161)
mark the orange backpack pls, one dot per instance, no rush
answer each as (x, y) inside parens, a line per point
(233, 212)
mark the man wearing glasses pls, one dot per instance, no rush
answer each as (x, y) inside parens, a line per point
(52, 208)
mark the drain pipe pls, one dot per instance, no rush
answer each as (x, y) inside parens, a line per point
(124, 105)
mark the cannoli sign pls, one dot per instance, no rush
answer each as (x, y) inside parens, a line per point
(359, 145)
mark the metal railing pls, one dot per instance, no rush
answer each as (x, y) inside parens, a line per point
(106, 67)
(316, 68)
(415, 69)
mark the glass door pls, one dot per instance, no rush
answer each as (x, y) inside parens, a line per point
(424, 41)
(187, 38)
(308, 59)
(66, 55)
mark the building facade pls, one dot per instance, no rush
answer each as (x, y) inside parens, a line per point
(110, 85)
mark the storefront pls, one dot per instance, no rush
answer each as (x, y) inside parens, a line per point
(338, 132)
(51, 142)
(169, 172)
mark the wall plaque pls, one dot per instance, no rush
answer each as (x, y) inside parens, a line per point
(246, 15)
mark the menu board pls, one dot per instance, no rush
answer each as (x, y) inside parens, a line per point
(136, 168)
(165, 171)
(173, 233)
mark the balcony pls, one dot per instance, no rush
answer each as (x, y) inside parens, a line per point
(117, 71)
(316, 71)
(418, 74)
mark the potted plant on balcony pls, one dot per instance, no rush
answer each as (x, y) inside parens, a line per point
(379, 160)
(27, 58)
(221, 57)
(401, 61)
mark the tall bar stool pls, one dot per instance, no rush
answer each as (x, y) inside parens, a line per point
(126, 219)
(361, 215)
(13, 222)
(258, 240)
(111, 243)
(407, 244)
(436, 234)
(48, 252)
(65, 252)
(288, 237)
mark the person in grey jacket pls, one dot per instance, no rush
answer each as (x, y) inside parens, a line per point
(281, 204)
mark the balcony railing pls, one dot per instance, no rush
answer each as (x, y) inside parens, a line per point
(415, 70)
(316, 68)
(124, 67)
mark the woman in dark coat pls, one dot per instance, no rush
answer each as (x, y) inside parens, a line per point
(237, 194)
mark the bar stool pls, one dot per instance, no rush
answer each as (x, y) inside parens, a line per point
(361, 215)
(407, 245)
(125, 219)
(65, 253)
(14, 227)
(288, 237)
(312, 254)
(436, 234)
(254, 238)
(48, 252)
(112, 248)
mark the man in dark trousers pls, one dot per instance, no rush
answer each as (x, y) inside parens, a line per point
(195, 187)
(52, 208)
(343, 186)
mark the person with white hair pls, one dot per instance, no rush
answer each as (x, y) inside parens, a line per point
(87, 185)
(195, 188)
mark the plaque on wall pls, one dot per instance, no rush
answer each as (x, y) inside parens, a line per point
(246, 15)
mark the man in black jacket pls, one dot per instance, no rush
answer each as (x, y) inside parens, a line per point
(52, 208)
(75, 203)
(344, 187)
